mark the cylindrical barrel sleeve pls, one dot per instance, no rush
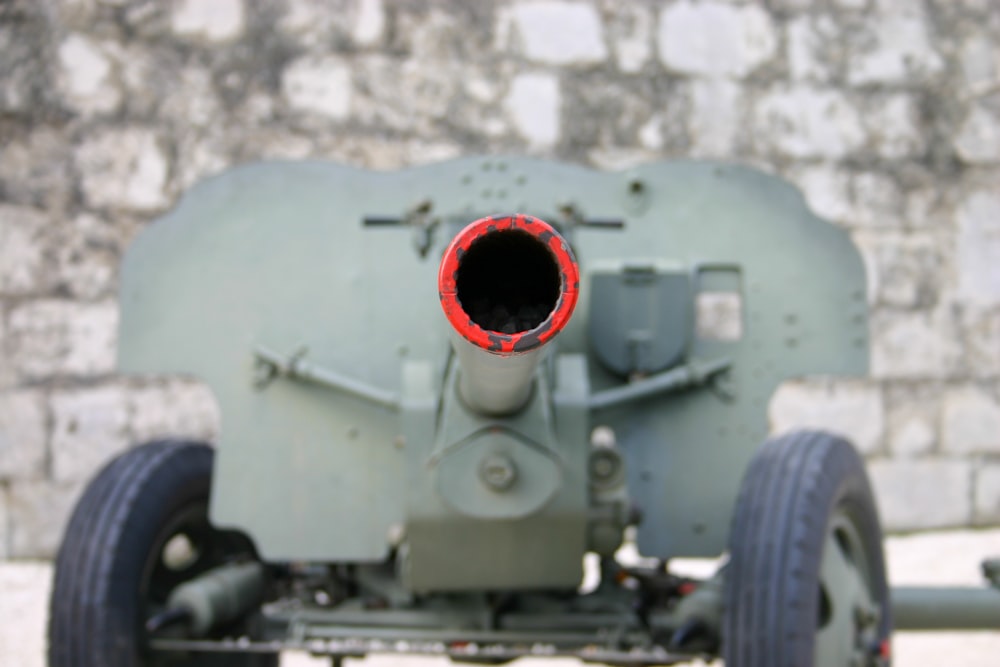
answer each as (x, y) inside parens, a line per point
(508, 285)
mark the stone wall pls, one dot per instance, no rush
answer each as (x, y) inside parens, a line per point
(886, 112)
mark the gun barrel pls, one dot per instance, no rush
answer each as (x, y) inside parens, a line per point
(508, 286)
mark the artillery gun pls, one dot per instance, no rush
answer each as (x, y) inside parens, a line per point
(442, 387)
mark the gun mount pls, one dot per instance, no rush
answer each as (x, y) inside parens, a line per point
(436, 405)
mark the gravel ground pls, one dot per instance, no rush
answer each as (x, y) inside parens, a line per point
(946, 558)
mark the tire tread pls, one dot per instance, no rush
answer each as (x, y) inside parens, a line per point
(789, 491)
(94, 610)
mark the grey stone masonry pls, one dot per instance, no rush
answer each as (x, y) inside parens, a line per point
(923, 493)
(885, 113)
(4, 523)
(987, 500)
(24, 420)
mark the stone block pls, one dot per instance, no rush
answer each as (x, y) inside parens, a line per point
(483, 90)
(89, 427)
(369, 24)
(718, 316)
(206, 156)
(37, 515)
(626, 105)
(876, 201)
(23, 433)
(86, 76)
(915, 345)
(630, 32)
(54, 337)
(904, 270)
(444, 37)
(987, 502)
(980, 328)
(893, 125)
(315, 24)
(556, 32)
(175, 409)
(977, 140)
(618, 159)
(122, 168)
(891, 48)
(920, 494)
(412, 98)
(790, 5)
(913, 412)
(319, 85)
(912, 435)
(812, 45)
(7, 375)
(716, 117)
(215, 21)
(198, 107)
(533, 104)
(22, 250)
(901, 7)
(650, 133)
(384, 153)
(806, 122)
(826, 189)
(139, 67)
(850, 408)
(35, 169)
(276, 143)
(928, 207)
(978, 247)
(421, 152)
(4, 524)
(970, 421)
(15, 92)
(715, 39)
(24, 35)
(979, 56)
(86, 257)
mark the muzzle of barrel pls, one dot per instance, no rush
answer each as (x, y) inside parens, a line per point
(508, 286)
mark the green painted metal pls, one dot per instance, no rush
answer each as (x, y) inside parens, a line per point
(945, 608)
(648, 321)
(492, 384)
(322, 338)
(531, 530)
(849, 613)
(219, 596)
(991, 571)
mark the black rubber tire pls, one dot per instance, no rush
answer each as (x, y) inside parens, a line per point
(792, 488)
(104, 585)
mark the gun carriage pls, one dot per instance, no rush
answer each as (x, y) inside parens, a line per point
(441, 388)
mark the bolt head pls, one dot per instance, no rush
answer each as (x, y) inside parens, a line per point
(604, 464)
(498, 472)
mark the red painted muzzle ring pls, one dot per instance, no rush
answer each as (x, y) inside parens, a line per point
(522, 341)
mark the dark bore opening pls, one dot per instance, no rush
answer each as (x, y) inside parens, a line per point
(508, 282)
